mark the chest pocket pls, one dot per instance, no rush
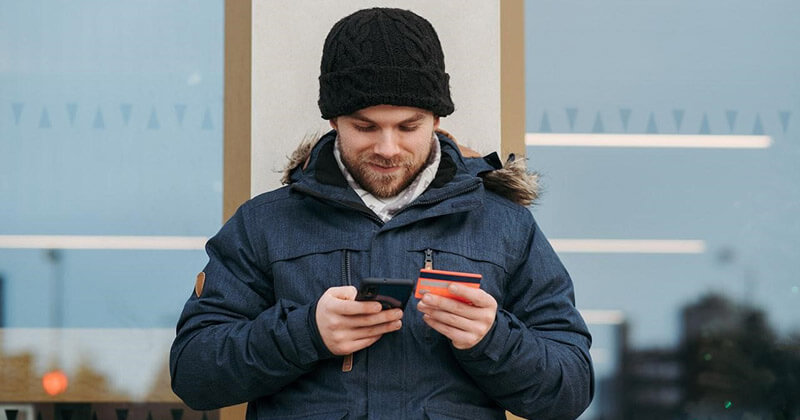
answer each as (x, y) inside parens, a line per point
(469, 259)
(302, 274)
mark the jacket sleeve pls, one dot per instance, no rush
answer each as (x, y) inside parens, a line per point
(235, 343)
(535, 360)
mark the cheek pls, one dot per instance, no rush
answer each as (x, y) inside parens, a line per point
(354, 143)
(420, 145)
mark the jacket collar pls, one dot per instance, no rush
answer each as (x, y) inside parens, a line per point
(327, 170)
(511, 179)
(320, 176)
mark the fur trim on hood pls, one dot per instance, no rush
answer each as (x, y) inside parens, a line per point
(511, 179)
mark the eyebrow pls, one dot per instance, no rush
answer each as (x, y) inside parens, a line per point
(416, 117)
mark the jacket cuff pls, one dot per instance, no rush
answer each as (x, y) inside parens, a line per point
(302, 336)
(316, 338)
(492, 344)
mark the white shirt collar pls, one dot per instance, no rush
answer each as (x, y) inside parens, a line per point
(386, 208)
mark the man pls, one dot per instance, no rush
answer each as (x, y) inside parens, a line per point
(274, 320)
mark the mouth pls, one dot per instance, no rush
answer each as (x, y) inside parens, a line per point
(384, 169)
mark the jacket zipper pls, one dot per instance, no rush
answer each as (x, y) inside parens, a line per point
(429, 259)
(347, 362)
(346, 268)
(428, 331)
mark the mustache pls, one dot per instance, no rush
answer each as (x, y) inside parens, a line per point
(380, 161)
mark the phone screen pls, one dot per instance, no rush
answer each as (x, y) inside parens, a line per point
(391, 293)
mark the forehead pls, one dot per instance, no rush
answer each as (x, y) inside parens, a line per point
(388, 114)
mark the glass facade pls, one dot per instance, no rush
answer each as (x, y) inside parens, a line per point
(665, 132)
(667, 137)
(110, 183)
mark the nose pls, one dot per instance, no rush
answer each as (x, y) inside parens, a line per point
(388, 146)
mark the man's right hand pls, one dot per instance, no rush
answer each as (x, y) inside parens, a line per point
(347, 325)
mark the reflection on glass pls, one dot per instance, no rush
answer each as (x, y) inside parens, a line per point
(730, 361)
(44, 364)
(102, 411)
(684, 137)
(110, 175)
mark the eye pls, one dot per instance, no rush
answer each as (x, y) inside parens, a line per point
(364, 128)
(408, 128)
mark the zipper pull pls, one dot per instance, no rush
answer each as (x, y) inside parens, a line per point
(429, 259)
(347, 363)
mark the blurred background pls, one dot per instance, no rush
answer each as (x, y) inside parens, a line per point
(668, 138)
(110, 183)
(665, 131)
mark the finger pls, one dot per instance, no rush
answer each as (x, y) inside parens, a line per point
(353, 307)
(478, 297)
(422, 307)
(365, 342)
(342, 292)
(375, 331)
(378, 330)
(435, 302)
(456, 336)
(356, 345)
(466, 317)
(453, 320)
(441, 304)
(357, 321)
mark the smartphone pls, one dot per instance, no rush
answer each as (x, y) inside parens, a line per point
(391, 293)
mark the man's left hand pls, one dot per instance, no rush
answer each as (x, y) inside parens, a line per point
(465, 325)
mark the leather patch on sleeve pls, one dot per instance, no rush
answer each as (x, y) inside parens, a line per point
(198, 285)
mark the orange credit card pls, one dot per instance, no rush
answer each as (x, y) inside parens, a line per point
(437, 281)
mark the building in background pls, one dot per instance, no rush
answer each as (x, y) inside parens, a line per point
(730, 365)
(111, 128)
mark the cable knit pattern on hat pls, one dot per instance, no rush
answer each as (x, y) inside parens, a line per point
(383, 56)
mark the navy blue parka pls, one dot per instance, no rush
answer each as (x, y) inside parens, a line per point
(250, 336)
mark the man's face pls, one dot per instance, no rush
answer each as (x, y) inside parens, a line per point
(385, 147)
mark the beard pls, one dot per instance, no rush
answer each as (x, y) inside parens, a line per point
(382, 185)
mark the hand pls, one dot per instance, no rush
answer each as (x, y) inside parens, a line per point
(347, 325)
(465, 325)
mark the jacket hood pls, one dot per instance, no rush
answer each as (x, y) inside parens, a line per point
(511, 179)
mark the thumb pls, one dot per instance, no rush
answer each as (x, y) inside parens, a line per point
(342, 292)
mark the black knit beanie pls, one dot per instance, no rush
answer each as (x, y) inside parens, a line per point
(383, 56)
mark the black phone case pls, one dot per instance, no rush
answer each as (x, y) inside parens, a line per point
(391, 293)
